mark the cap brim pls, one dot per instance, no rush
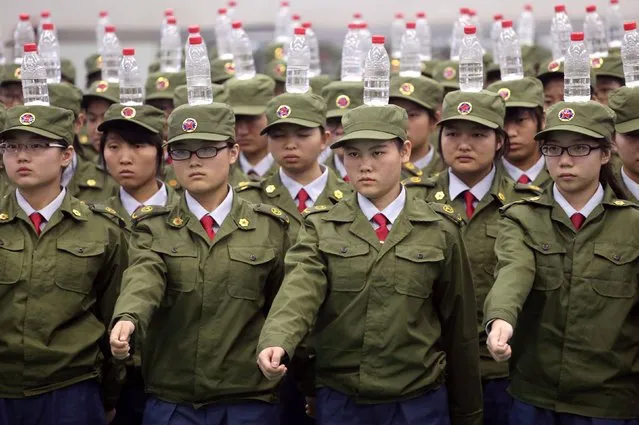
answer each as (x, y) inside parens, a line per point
(159, 96)
(209, 137)
(414, 100)
(571, 129)
(363, 135)
(336, 113)
(470, 118)
(220, 80)
(248, 110)
(92, 96)
(33, 130)
(298, 121)
(106, 124)
(448, 85)
(628, 126)
(522, 105)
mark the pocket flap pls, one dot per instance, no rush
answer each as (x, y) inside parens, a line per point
(617, 253)
(492, 230)
(251, 255)
(419, 254)
(174, 248)
(546, 248)
(80, 248)
(343, 249)
(12, 244)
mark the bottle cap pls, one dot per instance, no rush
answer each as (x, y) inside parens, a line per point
(195, 40)
(307, 25)
(470, 30)
(129, 51)
(236, 25)
(171, 20)
(507, 24)
(194, 29)
(421, 15)
(363, 25)
(232, 3)
(221, 11)
(30, 47)
(24, 16)
(109, 28)
(300, 31)
(464, 11)
(614, 1)
(472, 12)
(284, 4)
(577, 36)
(411, 25)
(104, 14)
(399, 15)
(378, 39)
(591, 8)
(560, 8)
(528, 7)
(498, 17)
(357, 15)
(630, 26)
(296, 17)
(47, 27)
(168, 12)
(45, 14)
(353, 26)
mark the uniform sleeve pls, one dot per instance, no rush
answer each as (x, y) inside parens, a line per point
(515, 274)
(300, 297)
(455, 298)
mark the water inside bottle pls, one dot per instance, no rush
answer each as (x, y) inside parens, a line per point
(131, 95)
(376, 91)
(577, 89)
(471, 76)
(297, 79)
(35, 92)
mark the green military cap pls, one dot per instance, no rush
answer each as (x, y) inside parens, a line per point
(214, 122)
(525, 93)
(181, 94)
(145, 116)
(550, 69)
(10, 73)
(102, 90)
(249, 97)
(3, 116)
(222, 70)
(428, 68)
(588, 118)
(342, 96)
(66, 96)
(534, 56)
(319, 82)
(276, 69)
(624, 101)
(161, 85)
(68, 70)
(423, 91)
(93, 64)
(484, 107)
(274, 51)
(446, 73)
(611, 66)
(154, 67)
(307, 110)
(375, 123)
(46, 121)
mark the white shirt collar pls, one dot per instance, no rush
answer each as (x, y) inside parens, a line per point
(314, 188)
(632, 186)
(48, 211)
(261, 168)
(340, 167)
(391, 212)
(532, 173)
(130, 204)
(68, 172)
(219, 214)
(324, 155)
(596, 199)
(422, 163)
(456, 186)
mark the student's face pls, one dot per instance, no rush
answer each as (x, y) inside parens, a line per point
(204, 176)
(553, 91)
(95, 111)
(375, 167)
(296, 148)
(469, 148)
(34, 168)
(604, 86)
(132, 165)
(247, 132)
(628, 149)
(521, 127)
(166, 106)
(420, 124)
(574, 175)
(11, 95)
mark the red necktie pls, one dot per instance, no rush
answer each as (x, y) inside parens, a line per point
(524, 179)
(347, 179)
(470, 199)
(382, 230)
(208, 222)
(302, 197)
(36, 219)
(577, 220)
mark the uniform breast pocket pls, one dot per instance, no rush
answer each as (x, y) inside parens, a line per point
(11, 260)
(417, 267)
(77, 264)
(613, 271)
(347, 265)
(182, 264)
(549, 260)
(248, 270)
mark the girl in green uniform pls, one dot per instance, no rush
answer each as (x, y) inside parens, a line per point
(625, 102)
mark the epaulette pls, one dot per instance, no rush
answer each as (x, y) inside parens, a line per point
(148, 211)
(447, 211)
(242, 186)
(529, 187)
(412, 168)
(420, 181)
(530, 200)
(622, 203)
(273, 212)
(315, 209)
(108, 212)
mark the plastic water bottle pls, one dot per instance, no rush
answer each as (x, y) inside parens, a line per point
(495, 32)
(34, 77)
(358, 18)
(397, 32)
(131, 83)
(283, 23)
(366, 39)
(232, 6)
(577, 70)
(411, 63)
(165, 21)
(45, 18)
(560, 30)
(471, 62)
(198, 73)
(458, 33)
(171, 47)
(299, 58)
(223, 35)
(595, 33)
(193, 31)
(23, 34)
(614, 24)
(474, 20)
(377, 74)
(511, 64)
(526, 26)
(630, 54)
(352, 55)
(49, 51)
(242, 52)
(424, 35)
(111, 55)
(103, 21)
(315, 67)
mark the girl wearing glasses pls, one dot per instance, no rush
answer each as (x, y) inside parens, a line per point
(202, 276)
(564, 306)
(61, 263)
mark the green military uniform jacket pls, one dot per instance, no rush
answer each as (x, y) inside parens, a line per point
(435, 166)
(543, 180)
(57, 294)
(622, 185)
(479, 236)
(199, 305)
(272, 191)
(389, 321)
(90, 183)
(115, 202)
(330, 163)
(573, 300)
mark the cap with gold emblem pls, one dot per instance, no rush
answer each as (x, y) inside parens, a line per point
(145, 116)
(222, 70)
(46, 121)
(273, 51)
(423, 91)
(249, 97)
(319, 82)
(524, 93)
(3, 116)
(306, 110)
(276, 69)
(93, 64)
(102, 90)
(67, 70)
(342, 96)
(611, 66)
(181, 95)
(484, 107)
(588, 118)
(625, 102)
(66, 96)
(446, 73)
(214, 122)
(161, 85)
(374, 123)
(9, 73)
(550, 69)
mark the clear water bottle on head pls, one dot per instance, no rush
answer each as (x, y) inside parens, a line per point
(22, 35)
(495, 32)
(358, 18)
(242, 52)
(168, 13)
(103, 21)
(34, 77)
(458, 32)
(511, 64)
(471, 62)
(614, 24)
(299, 58)
(49, 51)
(111, 55)
(577, 70)
(171, 47)
(377, 74)
(193, 31)
(131, 83)
(474, 20)
(283, 23)
(595, 33)
(411, 63)
(198, 73)
(223, 35)
(424, 35)
(630, 54)
(526, 26)
(397, 32)
(232, 7)
(45, 18)
(315, 67)
(560, 30)
(366, 39)
(353, 55)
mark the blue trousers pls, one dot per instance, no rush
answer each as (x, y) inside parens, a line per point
(525, 414)
(130, 408)
(497, 401)
(158, 412)
(78, 404)
(334, 408)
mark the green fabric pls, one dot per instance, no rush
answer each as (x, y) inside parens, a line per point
(90, 183)
(550, 69)
(181, 94)
(222, 70)
(249, 97)
(423, 91)
(446, 73)
(625, 102)
(46, 121)
(342, 96)
(162, 85)
(276, 69)
(145, 116)
(93, 64)
(588, 118)
(525, 93)
(10, 73)
(68, 70)
(307, 110)
(102, 90)
(374, 123)
(3, 116)
(611, 66)
(484, 107)
(214, 122)
(318, 83)
(428, 68)
(66, 96)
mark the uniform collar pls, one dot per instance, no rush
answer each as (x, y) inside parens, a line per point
(219, 214)
(532, 173)
(314, 189)
(590, 206)
(130, 204)
(456, 186)
(261, 168)
(69, 172)
(391, 212)
(424, 162)
(632, 186)
(48, 211)
(339, 165)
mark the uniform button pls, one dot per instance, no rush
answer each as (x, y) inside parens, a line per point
(420, 256)
(253, 258)
(80, 250)
(344, 250)
(545, 247)
(173, 250)
(617, 257)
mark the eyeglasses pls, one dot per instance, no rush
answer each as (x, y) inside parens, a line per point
(574, 150)
(202, 153)
(32, 148)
